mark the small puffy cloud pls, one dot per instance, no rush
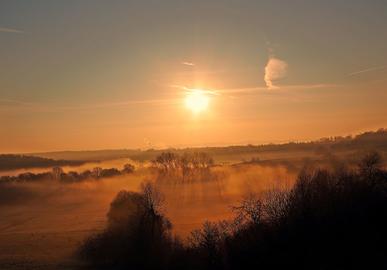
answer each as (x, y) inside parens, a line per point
(188, 63)
(275, 69)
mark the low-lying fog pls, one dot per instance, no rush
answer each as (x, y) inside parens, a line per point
(116, 163)
(39, 218)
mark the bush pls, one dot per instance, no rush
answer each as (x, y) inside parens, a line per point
(137, 235)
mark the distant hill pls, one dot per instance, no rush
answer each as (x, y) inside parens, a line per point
(12, 162)
(90, 155)
(368, 141)
(373, 140)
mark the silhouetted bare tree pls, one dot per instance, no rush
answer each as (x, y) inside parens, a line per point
(196, 164)
(138, 234)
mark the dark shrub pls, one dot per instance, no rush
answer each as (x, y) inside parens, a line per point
(137, 235)
(327, 221)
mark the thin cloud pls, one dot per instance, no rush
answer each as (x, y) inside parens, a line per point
(367, 70)
(260, 89)
(133, 102)
(275, 69)
(11, 30)
(309, 86)
(188, 64)
(256, 89)
(188, 89)
(14, 102)
(9, 105)
(17, 105)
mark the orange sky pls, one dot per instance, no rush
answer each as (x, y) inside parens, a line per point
(92, 75)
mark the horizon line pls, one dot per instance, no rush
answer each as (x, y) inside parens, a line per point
(209, 145)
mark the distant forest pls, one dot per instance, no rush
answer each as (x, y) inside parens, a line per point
(12, 162)
(367, 141)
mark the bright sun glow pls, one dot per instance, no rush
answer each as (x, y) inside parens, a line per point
(197, 100)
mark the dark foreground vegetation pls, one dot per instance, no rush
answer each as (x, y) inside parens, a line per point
(329, 220)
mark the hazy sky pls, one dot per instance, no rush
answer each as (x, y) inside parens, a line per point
(115, 74)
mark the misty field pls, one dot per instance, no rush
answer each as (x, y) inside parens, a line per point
(203, 200)
(44, 223)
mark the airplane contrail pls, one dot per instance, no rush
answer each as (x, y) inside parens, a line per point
(11, 30)
(367, 70)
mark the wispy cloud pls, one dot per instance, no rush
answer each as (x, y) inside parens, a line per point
(367, 70)
(260, 89)
(275, 69)
(130, 102)
(255, 90)
(191, 89)
(9, 105)
(4, 101)
(11, 30)
(188, 64)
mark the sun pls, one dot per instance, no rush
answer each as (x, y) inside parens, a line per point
(197, 100)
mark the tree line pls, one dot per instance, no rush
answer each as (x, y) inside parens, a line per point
(327, 220)
(186, 164)
(57, 173)
(12, 162)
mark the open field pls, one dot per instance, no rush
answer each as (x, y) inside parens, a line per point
(46, 226)
(44, 222)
